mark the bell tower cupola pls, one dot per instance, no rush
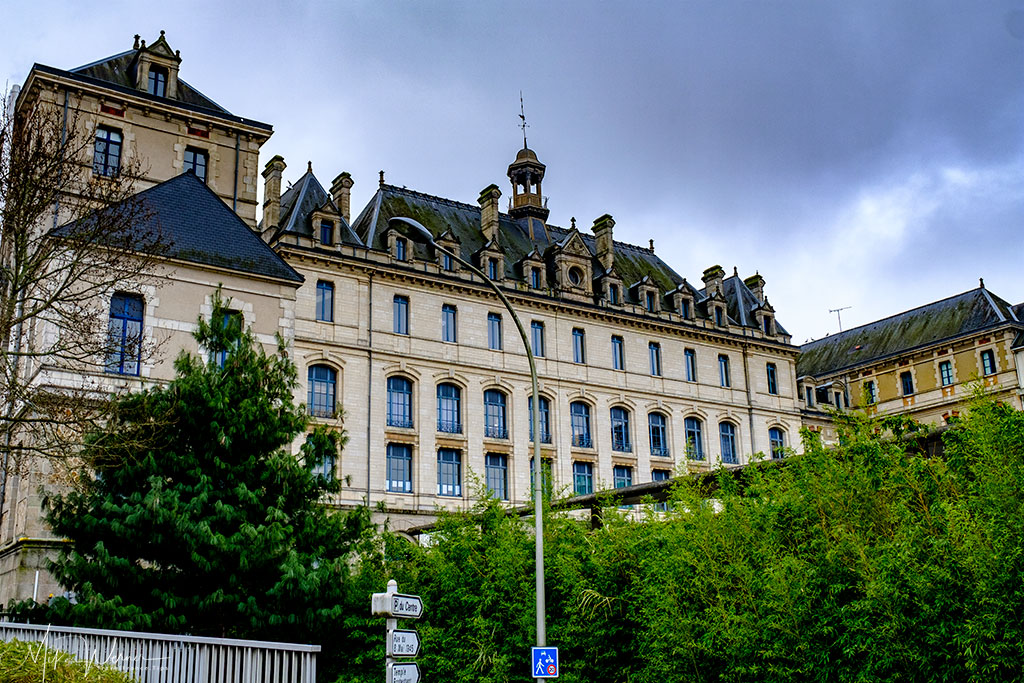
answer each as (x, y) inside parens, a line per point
(526, 174)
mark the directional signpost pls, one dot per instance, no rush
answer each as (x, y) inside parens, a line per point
(400, 642)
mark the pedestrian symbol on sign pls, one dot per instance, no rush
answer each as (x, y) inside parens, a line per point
(545, 662)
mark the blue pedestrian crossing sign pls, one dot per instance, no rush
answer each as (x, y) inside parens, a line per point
(545, 662)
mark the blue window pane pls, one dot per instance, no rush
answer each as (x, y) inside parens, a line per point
(326, 233)
(777, 442)
(694, 429)
(659, 436)
(106, 159)
(449, 472)
(579, 350)
(448, 331)
(325, 301)
(449, 415)
(727, 438)
(622, 476)
(399, 468)
(495, 426)
(620, 430)
(580, 419)
(691, 365)
(399, 402)
(494, 331)
(496, 471)
(400, 312)
(537, 329)
(583, 478)
(545, 419)
(618, 354)
(321, 382)
(124, 334)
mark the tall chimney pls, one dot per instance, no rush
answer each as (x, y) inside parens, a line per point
(341, 190)
(489, 211)
(605, 245)
(272, 191)
(713, 279)
(756, 285)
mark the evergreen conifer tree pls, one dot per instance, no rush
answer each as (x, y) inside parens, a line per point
(193, 516)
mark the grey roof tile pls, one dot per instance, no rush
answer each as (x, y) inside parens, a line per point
(962, 314)
(200, 228)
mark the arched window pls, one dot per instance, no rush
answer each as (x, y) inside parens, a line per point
(449, 413)
(322, 382)
(545, 420)
(727, 437)
(579, 413)
(495, 424)
(694, 430)
(659, 435)
(399, 402)
(620, 430)
(777, 442)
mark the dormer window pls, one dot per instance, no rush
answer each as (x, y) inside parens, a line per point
(400, 247)
(492, 268)
(575, 277)
(326, 233)
(447, 263)
(157, 81)
(769, 329)
(649, 302)
(684, 308)
(719, 316)
(613, 293)
(535, 278)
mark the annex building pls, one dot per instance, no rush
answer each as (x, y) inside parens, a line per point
(921, 363)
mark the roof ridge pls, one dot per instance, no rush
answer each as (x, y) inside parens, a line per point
(101, 61)
(832, 337)
(444, 200)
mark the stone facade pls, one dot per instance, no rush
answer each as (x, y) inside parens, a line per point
(625, 353)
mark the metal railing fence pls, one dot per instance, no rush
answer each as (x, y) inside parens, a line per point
(164, 658)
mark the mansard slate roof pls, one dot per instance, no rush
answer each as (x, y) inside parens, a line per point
(302, 199)
(967, 313)
(199, 227)
(437, 214)
(118, 73)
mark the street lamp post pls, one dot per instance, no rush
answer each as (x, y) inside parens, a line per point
(418, 233)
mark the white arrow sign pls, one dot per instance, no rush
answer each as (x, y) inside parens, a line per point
(406, 606)
(403, 644)
(404, 672)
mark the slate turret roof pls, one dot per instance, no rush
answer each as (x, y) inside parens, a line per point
(302, 199)
(971, 312)
(199, 227)
(117, 72)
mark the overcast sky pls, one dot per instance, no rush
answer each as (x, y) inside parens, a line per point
(856, 153)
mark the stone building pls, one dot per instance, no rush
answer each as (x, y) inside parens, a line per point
(920, 363)
(201, 163)
(642, 374)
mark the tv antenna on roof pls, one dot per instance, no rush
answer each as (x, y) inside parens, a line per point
(838, 316)
(522, 116)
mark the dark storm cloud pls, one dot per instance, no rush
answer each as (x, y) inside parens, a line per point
(861, 153)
